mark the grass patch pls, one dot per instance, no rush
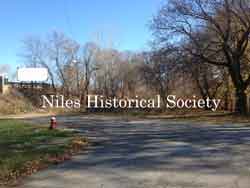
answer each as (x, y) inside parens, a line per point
(23, 145)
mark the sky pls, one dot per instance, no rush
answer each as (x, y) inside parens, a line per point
(124, 23)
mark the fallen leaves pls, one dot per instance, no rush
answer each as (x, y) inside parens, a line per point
(12, 178)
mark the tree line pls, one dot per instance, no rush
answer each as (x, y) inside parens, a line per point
(199, 47)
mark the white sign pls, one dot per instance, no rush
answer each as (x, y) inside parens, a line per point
(32, 74)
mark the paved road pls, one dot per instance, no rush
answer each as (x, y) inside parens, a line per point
(152, 154)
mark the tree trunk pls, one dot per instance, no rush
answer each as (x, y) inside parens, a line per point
(53, 85)
(226, 93)
(240, 95)
(241, 101)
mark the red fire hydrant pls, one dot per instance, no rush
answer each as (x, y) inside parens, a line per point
(52, 123)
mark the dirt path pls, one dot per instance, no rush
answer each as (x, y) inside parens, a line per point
(152, 154)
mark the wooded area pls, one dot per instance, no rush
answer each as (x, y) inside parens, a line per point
(198, 48)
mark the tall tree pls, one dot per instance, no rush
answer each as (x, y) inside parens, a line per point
(158, 71)
(35, 54)
(219, 30)
(88, 61)
(62, 51)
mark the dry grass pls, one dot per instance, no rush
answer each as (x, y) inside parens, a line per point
(26, 148)
(14, 103)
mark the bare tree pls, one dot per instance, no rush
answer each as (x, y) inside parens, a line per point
(207, 78)
(35, 54)
(55, 53)
(219, 30)
(89, 64)
(158, 71)
(61, 52)
(108, 75)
